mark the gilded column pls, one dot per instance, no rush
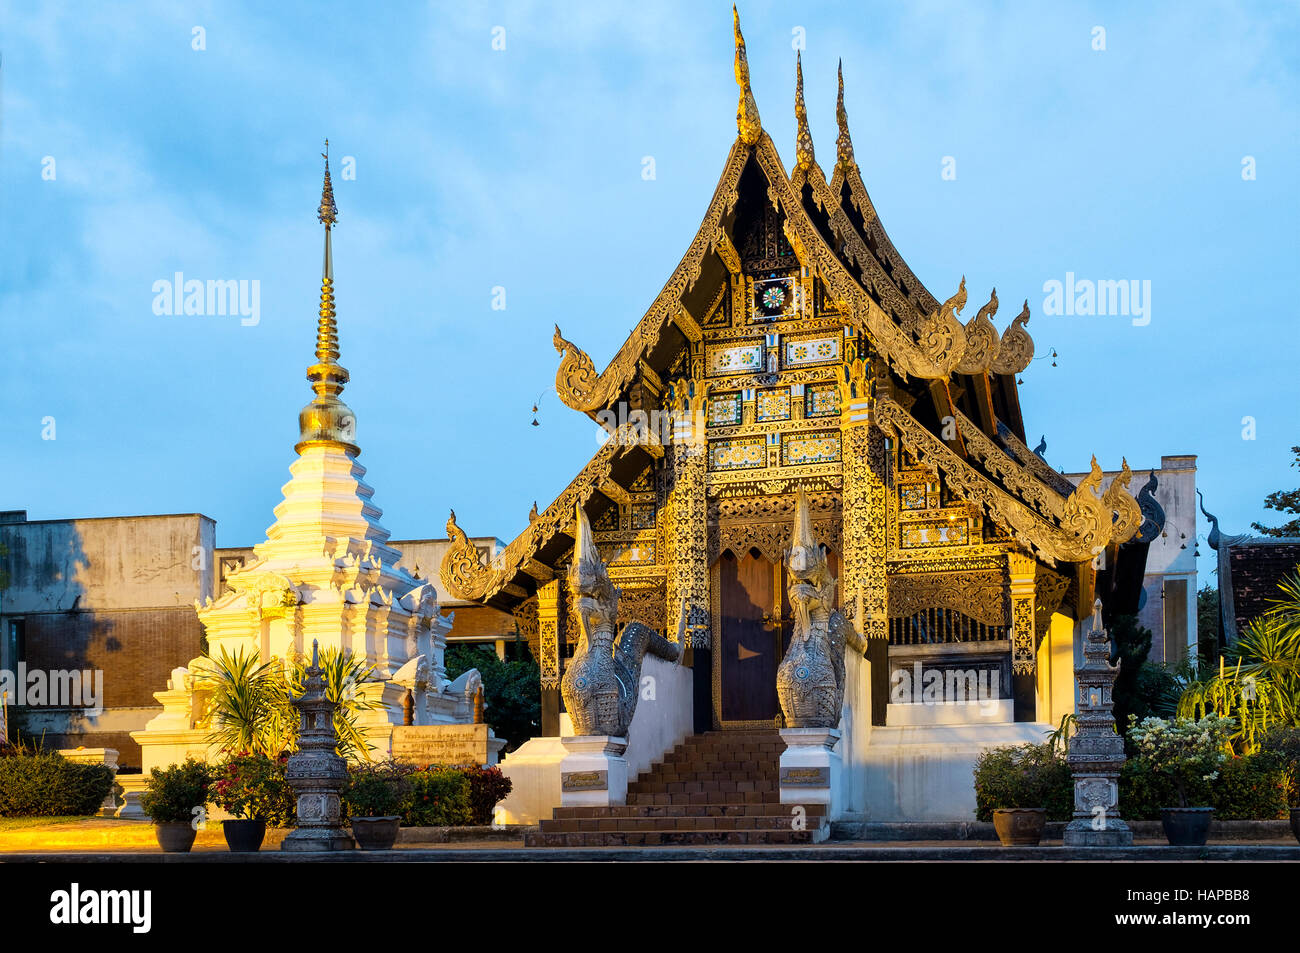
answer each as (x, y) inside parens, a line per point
(686, 532)
(548, 636)
(865, 518)
(864, 509)
(1022, 570)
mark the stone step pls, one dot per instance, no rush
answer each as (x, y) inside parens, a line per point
(703, 797)
(714, 754)
(771, 808)
(730, 823)
(667, 776)
(702, 787)
(662, 838)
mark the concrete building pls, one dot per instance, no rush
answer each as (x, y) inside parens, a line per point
(113, 596)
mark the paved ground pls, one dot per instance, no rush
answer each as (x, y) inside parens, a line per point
(836, 850)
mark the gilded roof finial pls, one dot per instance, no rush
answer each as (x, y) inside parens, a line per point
(747, 122)
(843, 144)
(327, 419)
(803, 143)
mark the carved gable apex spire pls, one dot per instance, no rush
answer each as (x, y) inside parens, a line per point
(843, 144)
(748, 124)
(803, 143)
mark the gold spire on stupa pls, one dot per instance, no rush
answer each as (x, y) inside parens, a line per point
(843, 144)
(803, 143)
(747, 122)
(327, 420)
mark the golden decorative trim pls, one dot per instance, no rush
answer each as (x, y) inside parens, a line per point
(981, 340)
(979, 594)
(1016, 349)
(462, 571)
(1083, 531)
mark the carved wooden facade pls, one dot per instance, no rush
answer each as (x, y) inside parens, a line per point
(793, 349)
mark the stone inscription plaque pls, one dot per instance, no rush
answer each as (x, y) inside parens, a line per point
(805, 777)
(424, 745)
(584, 780)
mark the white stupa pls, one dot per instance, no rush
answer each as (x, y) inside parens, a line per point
(326, 574)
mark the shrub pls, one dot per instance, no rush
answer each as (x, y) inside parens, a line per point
(177, 793)
(252, 786)
(1283, 744)
(487, 787)
(1023, 776)
(46, 784)
(377, 790)
(1250, 787)
(440, 797)
(1143, 791)
(1187, 751)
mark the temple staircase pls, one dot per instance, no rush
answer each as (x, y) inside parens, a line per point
(719, 787)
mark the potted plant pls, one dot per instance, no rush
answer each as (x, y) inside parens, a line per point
(252, 787)
(1283, 744)
(376, 797)
(176, 798)
(1188, 752)
(1019, 785)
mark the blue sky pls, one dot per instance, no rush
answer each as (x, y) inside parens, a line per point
(521, 168)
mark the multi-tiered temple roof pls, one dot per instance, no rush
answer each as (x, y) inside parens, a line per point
(944, 388)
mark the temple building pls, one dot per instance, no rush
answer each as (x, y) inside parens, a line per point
(793, 350)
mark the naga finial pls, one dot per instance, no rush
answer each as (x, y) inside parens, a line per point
(843, 144)
(748, 124)
(1016, 348)
(803, 143)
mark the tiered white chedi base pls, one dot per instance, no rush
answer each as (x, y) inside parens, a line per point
(324, 573)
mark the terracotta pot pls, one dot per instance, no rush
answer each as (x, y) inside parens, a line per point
(244, 836)
(1295, 822)
(1187, 826)
(1020, 826)
(175, 837)
(376, 833)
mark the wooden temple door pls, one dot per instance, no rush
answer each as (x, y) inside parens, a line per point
(749, 644)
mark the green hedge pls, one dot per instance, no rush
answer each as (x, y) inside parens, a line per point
(440, 797)
(46, 784)
(1253, 787)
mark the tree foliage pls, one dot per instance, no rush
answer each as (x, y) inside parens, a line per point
(512, 689)
(1284, 501)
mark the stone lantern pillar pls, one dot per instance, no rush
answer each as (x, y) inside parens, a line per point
(1096, 751)
(315, 771)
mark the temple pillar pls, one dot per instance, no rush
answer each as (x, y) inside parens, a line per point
(549, 599)
(1022, 571)
(863, 571)
(687, 557)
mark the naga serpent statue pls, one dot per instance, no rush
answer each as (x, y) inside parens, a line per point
(602, 682)
(810, 680)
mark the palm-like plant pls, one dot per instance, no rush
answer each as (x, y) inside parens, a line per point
(251, 704)
(1258, 683)
(244, 704)
(344, 675)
